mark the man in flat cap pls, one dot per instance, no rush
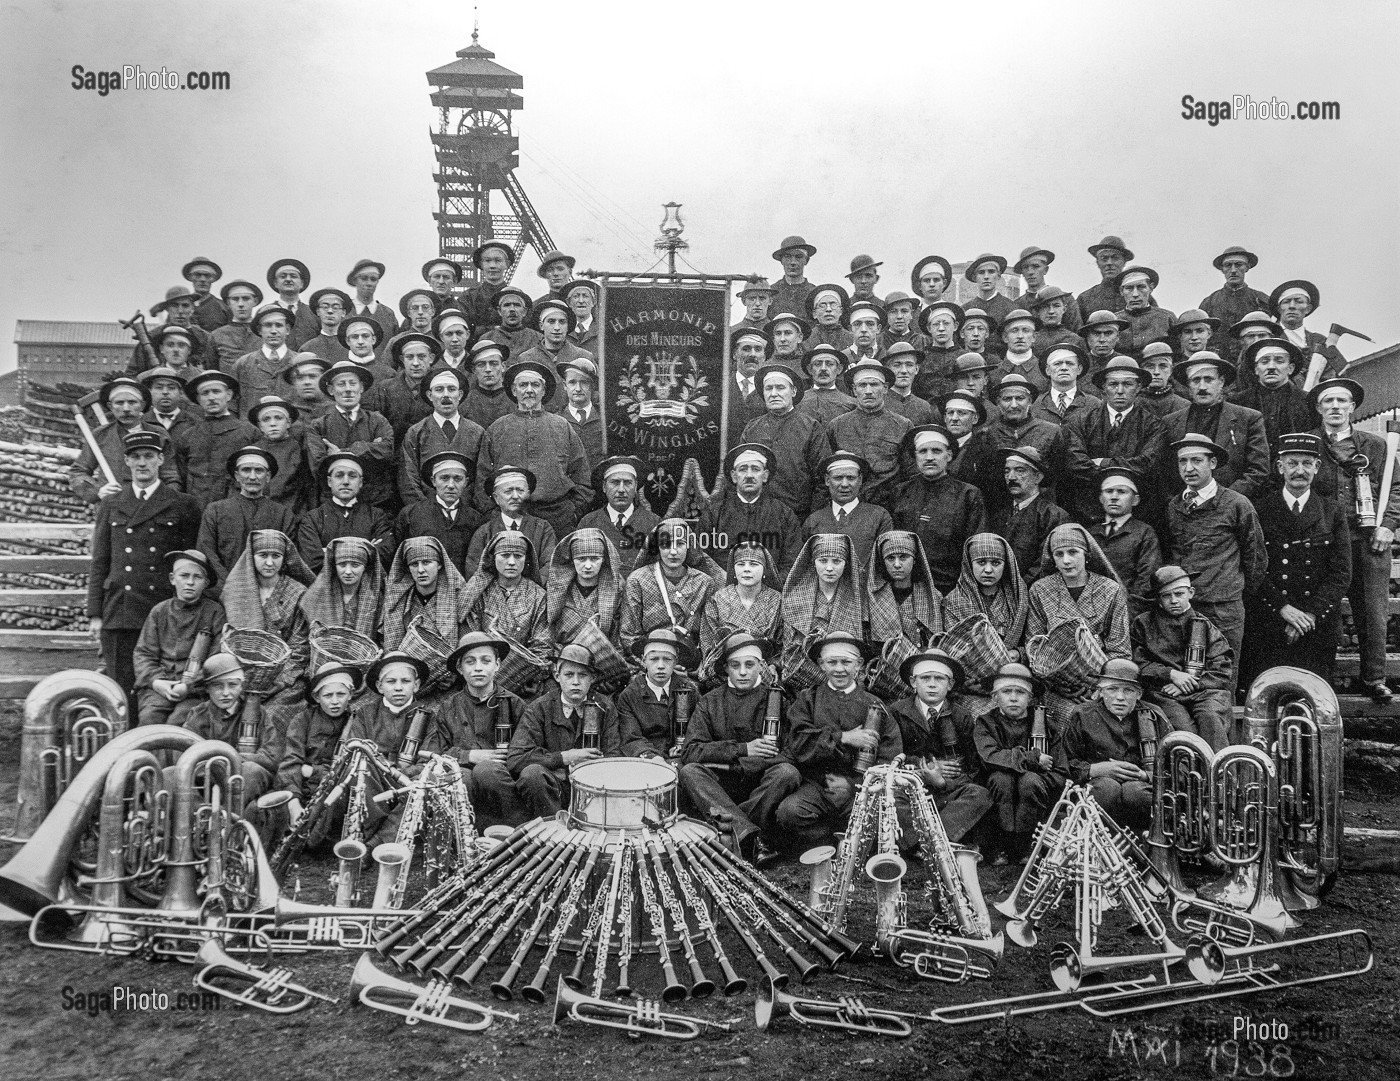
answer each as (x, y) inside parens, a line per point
(943, 511)
(238, 336)
(985, 273)
(1214, 533)
(1233, 300)
(364, 278)
(1129, 542)
(210, 312)
(1239, 430)
(845, 473)
(757, 297)
(128, 577)
(1159, 393)
(445, 428)
(1026, 518)
(798, 441)
(791, 292)
(545, 444)
(625, 518)
(871, 431)
(827, 306)
(824, 399)
(747, 511)
(289, 278)
(1116, 432)
(557, 269)
(1296, 615)
(1283, 404)
(1146, 321)
(226, 523)
(1352, 461)
(401, 400)
(126, 402)
(202, 448)
(1033, 265)
(1294, 301)
(1110, 255)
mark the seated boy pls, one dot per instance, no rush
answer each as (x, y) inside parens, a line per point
(223, 714)
(647, 704)
(1100, 747)
(163, 650)
(313, 737)
(1022, 780)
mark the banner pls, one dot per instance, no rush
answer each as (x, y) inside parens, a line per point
(663, 379)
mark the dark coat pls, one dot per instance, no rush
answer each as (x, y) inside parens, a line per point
(225, 525)
(863, 525)
(1220, 545)
(371, 438)
(1241, 432)
(1160, 643)
(800, 442)
(818, 718)
(1025, 530)
(543, 733)
(725, 722)
(1337, 484)
(426, 519)
(128, 576)
(466, 723)
(766, 520)
(427, 438)
(1135, 554)
(949, 735)
(629, 540)
(1285, 409)
(1230, 306)
(201, 455)
(644, 724)
(322, 524)
(1137, 443)
(944, 513)
(401, 404)
(85, 476)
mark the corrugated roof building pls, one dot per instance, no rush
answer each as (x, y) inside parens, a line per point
(52, 351)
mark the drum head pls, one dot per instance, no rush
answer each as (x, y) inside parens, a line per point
(623, 775)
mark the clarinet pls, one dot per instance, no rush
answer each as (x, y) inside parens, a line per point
(413, 739)
(866, 759)
(1040, 742)
(682, 706)
(1196, 646)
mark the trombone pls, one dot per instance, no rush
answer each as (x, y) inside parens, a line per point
(269, 990)
(371, 986)
(643, 1017)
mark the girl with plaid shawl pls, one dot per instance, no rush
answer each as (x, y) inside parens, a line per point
(822, 596)
(585, 599)
(906, 609)
(425, 592)
(349, 591)
(1078, 588)
(750, 602)
(502, 599)
(985, 617)
(670, 585)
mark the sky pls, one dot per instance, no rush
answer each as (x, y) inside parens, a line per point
(895, 129)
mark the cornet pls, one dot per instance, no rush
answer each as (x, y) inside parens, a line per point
(640, 1018)
(271, 991)
(848, 1014)
(373, 987)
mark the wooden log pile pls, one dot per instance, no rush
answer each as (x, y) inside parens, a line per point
(34, 484)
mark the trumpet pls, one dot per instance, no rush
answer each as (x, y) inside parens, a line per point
(641, 1018)
(849, 1014)
(296, 927)
(371, 986)
(269, 990)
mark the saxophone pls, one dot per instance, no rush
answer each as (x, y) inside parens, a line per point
(850, 855)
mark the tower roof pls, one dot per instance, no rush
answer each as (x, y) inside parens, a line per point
(475, 67)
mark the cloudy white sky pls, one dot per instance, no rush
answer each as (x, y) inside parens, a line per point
(898, 129)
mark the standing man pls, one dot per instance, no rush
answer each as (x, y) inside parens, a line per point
(1101, 331)
(827, 306)
(1129, 543)
(341, 513)
(1051, 307)
(330, 306)
(979, 332)
(178, 307)
(558, 270)
(364, 278)
(872, 432)
(1284, 406)
(553, 319)
(626, 519)
(168, 406)
(1239, 431)
(400, 400)
(903, 361)
(582, 297)
(900, 310)
(846, 512)
(493, 262)
(512, 308)
(929, 279)
(1146, 322)
(749, 349)
(1192, 331)
(757, 297)
(226, 523)
(1340, 479)
(237, 336)
(944, 512)
(746, 512)
(257, 371)
(1111, 255)
(128, 577)
(1064, 366)
(289, 278)
(1117, 432)
(1032, 266)
(940, 322)
(1294, 301)
(1233, 300)
(1213, 532)
(443, 277)
(985, 272)
(1014, 426)
(1159, 396)
(790, 295)
(210, 313)
(202, 448)
(349, 426)
(799, 442)
(824, 399)
(488, 402)
(866, 318)
(126, 401)
(865, 272)
(1018, 333)
(445, 428)
(580, 379)
(1297, 613)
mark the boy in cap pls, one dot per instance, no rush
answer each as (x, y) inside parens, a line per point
(236, 337)
(1214, 533)
(341, 513)
(625, 518)
(313, 736)
(1101, 746)
(937, 738)
(284, 437)
(227, 523)
(349, 426)
(475, 726)
(383, 718)
(1129, 543)
(799, 442)
(1296, 614)
(510, 488)
(824, 400)
(127, 401)
(167, 637)
(1195, 698)
(646, 707)
(900, 310)
(446, 513)
(444, 429)
(728, 730)
(870, 431)
(1234, 299)
(845, 511)
(443, 276)
(552, 736)
(1110, 255)
(793, 290)
(452, 330)
(1159, 395)
(864, 273)
(930, 278)
(1022, 779)
(1030, 516)
(827, 736)
(746, 510)
(943, 511)
(223, 713)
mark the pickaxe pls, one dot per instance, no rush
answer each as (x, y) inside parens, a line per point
(1336, 330)
(1318, 362)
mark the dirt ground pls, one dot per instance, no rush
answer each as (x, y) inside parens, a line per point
(1344, 1029)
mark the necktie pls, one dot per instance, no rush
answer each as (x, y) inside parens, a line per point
(1188, 497)
(1298, 507)
(515, 526)
(840, 514)
(1109, 530)
(664, 699)
(143, 493)
(1114, 419)
(1059, 401)
(450, 513)
(746, 386)
(617, 520)
(449, 429)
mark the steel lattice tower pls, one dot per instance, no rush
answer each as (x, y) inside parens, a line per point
(477, 154)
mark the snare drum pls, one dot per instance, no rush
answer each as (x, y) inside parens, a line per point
(621, 795)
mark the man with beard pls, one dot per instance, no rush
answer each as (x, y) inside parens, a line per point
(1236, 428)
(791, 293)
(237, 336)
(757, 297)
(1285, 408)
(944, 512)
(1159, 396)
(824, 399)
(364, 278)
(1116, 432)
(1146, 322)
(1028, 517)
(399, 400)
(827, 306)
(210, 313)
(512, 308)
(871, 431)
(798, 441)
(903, 361)
(940, 322)
(1111, 255)
(288, 278)
(747, 513)
(1233, 300)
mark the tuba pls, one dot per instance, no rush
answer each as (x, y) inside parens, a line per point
(68, 717)
(1293, 715)
(1182, 822)
(206, 789)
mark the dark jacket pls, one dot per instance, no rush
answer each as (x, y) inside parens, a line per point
(201, 454)
(818, 718)
(225, 525)
(1137, 443)
(426, 518)
(1093, 734)
(944, 513)
(320, 525)
(1220, 545)
(466, 723)
(1005, 744)
(544, 733)
(1160, 642)
(1309, 555)
(312, 738)
(129, 576)
(644, 724)
(766, 520)
(207, 722)
(949, 735)
(724, 722)
(1135, 554)
(1025, 530)
(1336, 482)
(1241, 433)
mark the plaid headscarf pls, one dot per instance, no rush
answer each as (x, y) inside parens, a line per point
(1095, 562)
(927, 602)
(324, 601)
(695, 558)
(800, 601)
(242, 603)
(486, 572)
(751, 549)
(607, 595)
(448, 606)
(1007, 610)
